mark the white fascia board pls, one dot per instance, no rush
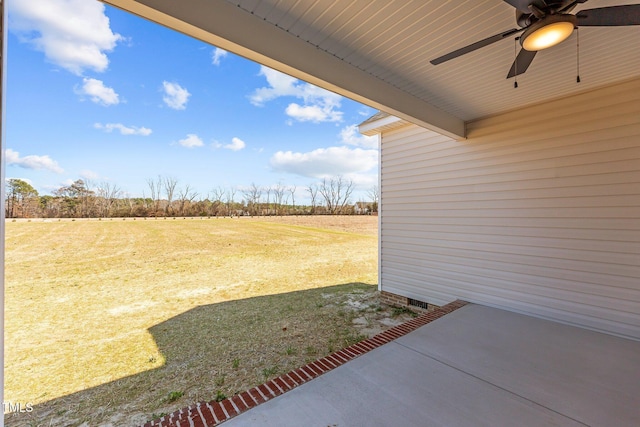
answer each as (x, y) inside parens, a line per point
(229, 27)
(384, 124)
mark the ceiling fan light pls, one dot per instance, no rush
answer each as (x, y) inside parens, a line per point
(549, 32)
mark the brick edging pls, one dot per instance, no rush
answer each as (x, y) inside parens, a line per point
(210, 414)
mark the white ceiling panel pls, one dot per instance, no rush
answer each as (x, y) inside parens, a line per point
(394, 41)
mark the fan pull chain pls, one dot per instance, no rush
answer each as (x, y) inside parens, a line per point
(577, 55)
(515, 62)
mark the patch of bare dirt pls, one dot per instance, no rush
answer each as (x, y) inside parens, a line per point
(370, 317)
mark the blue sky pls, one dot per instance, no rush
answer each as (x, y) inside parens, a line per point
(97, 94)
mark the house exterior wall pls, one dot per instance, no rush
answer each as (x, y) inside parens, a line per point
(538, 211)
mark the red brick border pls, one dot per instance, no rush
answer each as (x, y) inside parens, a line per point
(210, 414)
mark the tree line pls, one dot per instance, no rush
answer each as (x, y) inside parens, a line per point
(166, 198)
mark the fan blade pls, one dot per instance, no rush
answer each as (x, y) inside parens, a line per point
(522, 62)
(475, 46)
(521, 5)
(570, 5)
(612, 16)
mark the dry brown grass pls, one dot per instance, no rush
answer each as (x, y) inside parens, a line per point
(104, 319)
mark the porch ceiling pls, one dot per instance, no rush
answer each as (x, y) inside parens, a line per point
(378, 52)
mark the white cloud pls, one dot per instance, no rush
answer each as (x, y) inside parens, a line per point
(191, 141)
(325, 162)
(313, 113)
(366, 111)
(175, 96)
(73, 34)
(32, 161)
(124, 130)
(319, 105)
(88, 175)
(217, 55)
(236, 144)
(350, 136)
(279, 85)
(98, 92)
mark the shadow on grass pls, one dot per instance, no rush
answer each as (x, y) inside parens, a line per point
(213, 350)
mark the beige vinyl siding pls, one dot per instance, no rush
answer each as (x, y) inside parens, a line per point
(538, 211)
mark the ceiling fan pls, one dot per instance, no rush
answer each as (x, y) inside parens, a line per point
(545, 23)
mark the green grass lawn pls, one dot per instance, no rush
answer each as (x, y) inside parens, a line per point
(118, 320)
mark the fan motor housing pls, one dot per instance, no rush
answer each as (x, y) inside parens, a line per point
(561, 25)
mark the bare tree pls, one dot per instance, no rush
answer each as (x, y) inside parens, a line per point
(231, 194)
(131, 203)
(374, 195)
(313, 193)
(268, 191)
(108, 194)
(169, 184)
(144, 201)
(217, 194)
(252, 196)
(87, 199)
(154, 189)
(336, 193)
(292, 190)
(186, 196)
(278, 195)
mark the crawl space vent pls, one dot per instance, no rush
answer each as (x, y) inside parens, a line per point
(417, 303)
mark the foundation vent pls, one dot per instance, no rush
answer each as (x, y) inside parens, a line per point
(417, 303)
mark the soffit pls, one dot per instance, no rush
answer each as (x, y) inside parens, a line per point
(378, 51)
(394, 41)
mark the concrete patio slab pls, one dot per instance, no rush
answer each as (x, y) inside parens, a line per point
(591, 377)
(476, 366)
